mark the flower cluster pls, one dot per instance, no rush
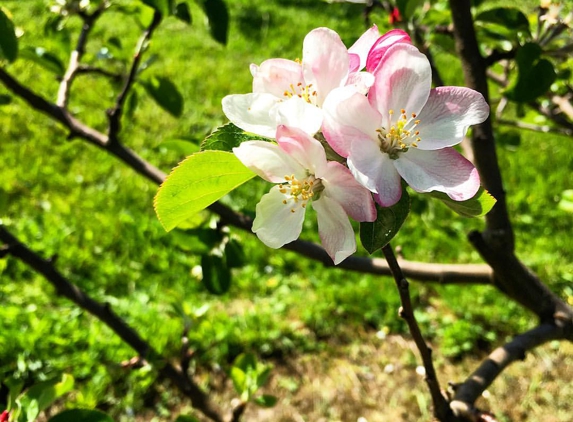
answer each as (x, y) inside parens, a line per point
(373, 104)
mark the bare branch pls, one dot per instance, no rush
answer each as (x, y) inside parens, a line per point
(471, 389)
(536, 128)
(104, 313)
(85, 69)
(441, 408)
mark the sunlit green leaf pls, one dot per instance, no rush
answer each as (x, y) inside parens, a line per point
(8, 39)
(216, 274)
(186, 418)
(165, 94)
(478, 206)
(218, 17)
(44, 58)
(81, 415)
(196, 183)
(228, 136)
(566, 202)
(162, 6)
(266, 400)
(376, 235)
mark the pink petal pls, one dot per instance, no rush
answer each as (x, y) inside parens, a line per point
(340, 185)
(298, 113)
(360, 81)
(348, 118)
(252, 112)
(275, 76)
(268, 160)
(354, 63)
(403, 81)
(276, 224)
(336, 233)
(382, 44)
(444, 170)
(375, 170)
(448, 114)
(325, 61)
(302, 147)
(363, 45)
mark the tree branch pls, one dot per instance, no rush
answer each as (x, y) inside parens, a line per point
(441, 408)
(471, 389)
(536, 128)
(104, 313)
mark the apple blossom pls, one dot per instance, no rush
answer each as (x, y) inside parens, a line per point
(405, 129)
(297, 163)
(292, 92)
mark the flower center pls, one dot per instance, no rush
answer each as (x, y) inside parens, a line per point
(306, 92)
(400, 136)
(300, 191)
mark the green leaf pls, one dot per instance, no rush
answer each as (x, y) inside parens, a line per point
(234, 254)
(44, 58)
(507, 17)
(199, 241)
(186, 418)
(81, 415)
(227, 137)
(5, 99)
(45, 393)
(535, 75)
(196, 183)
(162, 6)
(266, 401)
(376, 235)
(246, 362)
(165, 94)
(263, 376)
(216, 274)
(407, 8)
(218, 17)
(566, 202)
(185, 147)
(8, 39)
(183, 13)
(478, 206)
(239, 378)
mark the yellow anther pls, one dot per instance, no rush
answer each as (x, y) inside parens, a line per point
(413, 115)
(416, 122)
(402, 111)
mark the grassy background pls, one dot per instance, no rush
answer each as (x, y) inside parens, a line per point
(67, 198)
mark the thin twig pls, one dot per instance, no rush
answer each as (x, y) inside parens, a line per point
(441, 408)
(115, 113)
(104, 313)
(536, 128)
(86, 69)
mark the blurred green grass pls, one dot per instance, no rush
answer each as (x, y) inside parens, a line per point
(68, 198)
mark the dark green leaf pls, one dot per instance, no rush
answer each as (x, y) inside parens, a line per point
(407, 8)
(131, 104)
(162, 6)
(216, 274)
(478, 206)
(8, 39)
(165, 94)
(376, 235)
(183, 13)
(263, 376)
(44, 58)
(507, 17)
(266, 400)
(234, 254)
(227, 137)
(508, 138)
(81, 415)
(5, 99)
(199, 241)
(246, 362)
(186, 418)
(218, 17)
(535, 75)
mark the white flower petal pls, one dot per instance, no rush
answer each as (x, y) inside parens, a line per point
(447, 115)
(325, 61)
(303, 148)
(363, 45)
(403, 81)
(335, 230)
(298, 113)
(275, 76)
(252, 112)
(268, 160)
(444, 170)
(361, 81)
(340, 185)
(276, 224)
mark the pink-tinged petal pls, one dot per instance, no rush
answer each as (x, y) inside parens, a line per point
(303, 148)
(444, 170)
(252, 112)
(298, 113)
(268, 160)
(363, 45)
(325, 61)
(275, 76)
(375, 170)
(448, 114)
(382, 44)
(360, 81)
(276, 223)
(340, 185)
(354, 63)
(403, 81)
(336, 233)
(348, 118)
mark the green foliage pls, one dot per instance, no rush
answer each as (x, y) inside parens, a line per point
(248, 377)
(508, 17)
(478, 206)
(227, 137)
(535, 74)
(377, 234)
(218, 17)
(196, 183)
(44, 58)
(165, 94)
(83, 415)
(8, 40)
